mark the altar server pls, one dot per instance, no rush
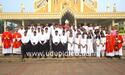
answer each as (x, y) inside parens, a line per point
(77, 45)
(90, 50)
(98, 45)
(103, 43)
(83, 44)
(70, 43)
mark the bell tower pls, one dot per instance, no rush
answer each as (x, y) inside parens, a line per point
(95, 4)
(1, 8)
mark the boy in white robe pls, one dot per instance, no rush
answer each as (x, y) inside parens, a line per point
(90, 50)
(98, 45)
(70, 44)
(77, 45)
(83, 44)
(103, 44)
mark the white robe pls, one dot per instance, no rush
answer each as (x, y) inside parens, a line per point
(103, 45)
(98, 47)
(76, 46)
(34, 40)
(25, 39)
(119, 52)
(90, 46)
(47, 35)
(7, 50)
(42, 37)
(103, 41)
(64, 38)
(21, 31)
(70, 46)
(56, 39)
(83, 42)
(17, 50)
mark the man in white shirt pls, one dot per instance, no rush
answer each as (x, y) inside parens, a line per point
(56, 42)
(47, 36)
(63, 45)
(42, 42)
(77, 44)
(70, 43)
(25, 46)
(34, 42)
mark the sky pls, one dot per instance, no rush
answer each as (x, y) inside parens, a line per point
(14, 5)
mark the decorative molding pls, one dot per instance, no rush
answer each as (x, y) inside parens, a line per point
(28, 16)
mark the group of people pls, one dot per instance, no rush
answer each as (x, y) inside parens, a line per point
(67, 39)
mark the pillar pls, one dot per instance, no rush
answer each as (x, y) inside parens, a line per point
(110, 27)
(113, 22)
(23, 23)
(5, 25)
(81, 5)
(60, 21)
(124, 24)
(49, 5)
(75, 22)
(85, 23)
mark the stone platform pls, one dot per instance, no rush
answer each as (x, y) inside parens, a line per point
(62, 66)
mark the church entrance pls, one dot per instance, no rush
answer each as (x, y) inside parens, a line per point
(67, 16)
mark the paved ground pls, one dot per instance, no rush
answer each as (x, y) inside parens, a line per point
(70, 66)
(13, 65)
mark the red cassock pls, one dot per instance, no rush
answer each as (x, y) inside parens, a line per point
(110, 43)
(7, 39)
(120, 41)
(66, 27)
(16, 40)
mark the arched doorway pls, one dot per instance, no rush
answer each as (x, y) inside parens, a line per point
(67, 16)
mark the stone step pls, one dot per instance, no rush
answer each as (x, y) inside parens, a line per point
(69, 59)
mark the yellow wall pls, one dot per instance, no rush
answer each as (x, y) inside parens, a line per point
(59, 5)
(88, 9)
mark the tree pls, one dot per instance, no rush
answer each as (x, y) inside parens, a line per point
(1, 26)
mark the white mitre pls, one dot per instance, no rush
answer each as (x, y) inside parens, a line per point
(67, 21)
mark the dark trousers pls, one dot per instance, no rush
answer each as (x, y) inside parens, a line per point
(24, 50)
